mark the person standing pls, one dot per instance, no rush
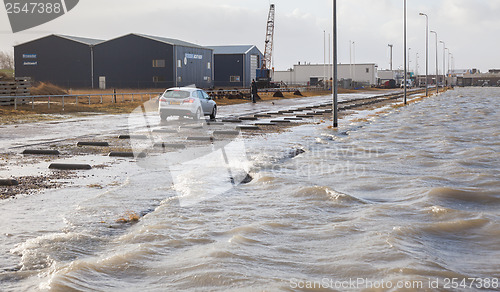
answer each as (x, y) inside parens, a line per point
(253, 91)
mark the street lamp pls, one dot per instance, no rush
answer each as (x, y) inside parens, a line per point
(416, 65)
(405, 52)
(335, 85)
(437, 87)
(426, 52)
(444, 63)
(449, 62)
(354, 63)
(409, 61)
(390, 60)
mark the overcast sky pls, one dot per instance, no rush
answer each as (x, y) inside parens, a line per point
(470, 29)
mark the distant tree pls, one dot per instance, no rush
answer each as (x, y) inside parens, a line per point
(6, 60)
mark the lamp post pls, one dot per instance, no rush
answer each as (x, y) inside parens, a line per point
(426, 52)
(409, 60)
(335, 91)
(324, 60)
(437, 69)
(416, 65)
(390, 60)
(444, 63)
(449, 63)
(406, 76)
(354, 63)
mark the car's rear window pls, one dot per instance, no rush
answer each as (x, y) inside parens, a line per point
(177, 94)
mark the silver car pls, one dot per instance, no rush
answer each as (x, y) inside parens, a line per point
(186, 101)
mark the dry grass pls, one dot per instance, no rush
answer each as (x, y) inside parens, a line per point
(6, 75)
(47, 89)
(106, 103)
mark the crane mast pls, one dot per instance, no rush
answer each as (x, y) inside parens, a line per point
(263, 74)
(268, 52)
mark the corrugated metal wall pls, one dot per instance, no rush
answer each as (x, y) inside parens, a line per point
(56, 60)
(127, 62)
(193, 66)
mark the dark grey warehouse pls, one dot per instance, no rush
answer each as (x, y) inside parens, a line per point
(130, 61)
(236, 65)
(135, 61)
(142, 61)
(62, 60)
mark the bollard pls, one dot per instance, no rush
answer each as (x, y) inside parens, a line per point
(76, 97)
(63, 102)
(15, 103)
(132, 97)
(89, 99)
(101, 98)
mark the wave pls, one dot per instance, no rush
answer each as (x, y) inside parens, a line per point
(323, 193)
(451, 195)
(462, 229)
(43, 251)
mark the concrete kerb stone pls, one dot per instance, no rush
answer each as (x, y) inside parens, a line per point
(90, 143)
(40, 152)
(8, 182)
(69, 166)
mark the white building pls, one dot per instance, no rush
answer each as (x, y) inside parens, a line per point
(305, 74)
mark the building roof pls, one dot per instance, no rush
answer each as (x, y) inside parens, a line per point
(86, 41)
(230, 50)
(169, 41)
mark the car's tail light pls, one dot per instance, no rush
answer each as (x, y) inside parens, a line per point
(162, 99)
(189, 100)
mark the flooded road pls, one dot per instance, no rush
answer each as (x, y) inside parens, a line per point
(405, 196)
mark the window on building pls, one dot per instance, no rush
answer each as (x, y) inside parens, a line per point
(179, 63)
(367, 70)
(234, 79)
(158, 63)
(158, 78)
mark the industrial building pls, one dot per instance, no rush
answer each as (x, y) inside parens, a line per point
(143, 61)
(235, 66)
(310, 74)
(130, 61)
(475, 78)
(59, 59)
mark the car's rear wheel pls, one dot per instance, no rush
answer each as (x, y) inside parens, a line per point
(214, 113)
(197, 115)
(163, 116)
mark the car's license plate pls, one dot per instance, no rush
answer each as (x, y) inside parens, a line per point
(175, 103)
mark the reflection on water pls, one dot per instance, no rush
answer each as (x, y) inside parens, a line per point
(411, 196)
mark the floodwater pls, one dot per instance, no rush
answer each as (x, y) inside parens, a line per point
(403, 199)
